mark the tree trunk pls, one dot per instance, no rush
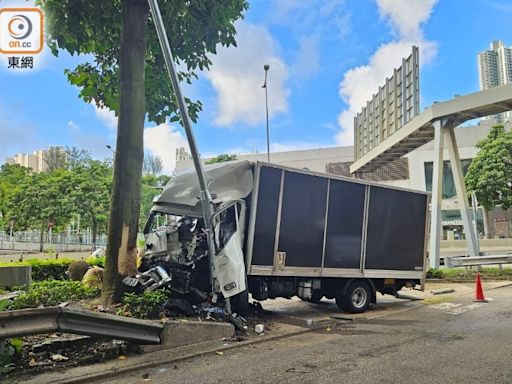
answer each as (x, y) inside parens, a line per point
(94, 230)
(487, 230)
(124, 211)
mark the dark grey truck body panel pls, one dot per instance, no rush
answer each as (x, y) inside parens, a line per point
(329, 226)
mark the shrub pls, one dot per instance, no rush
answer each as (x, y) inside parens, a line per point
(486, 273)
(97, 261)
(10, 355)
(77, 269)
(53, 269)
(433, 273)
(143, 306)
(52, 292)
(93, 278)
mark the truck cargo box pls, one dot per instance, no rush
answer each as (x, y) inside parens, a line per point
(304, 223)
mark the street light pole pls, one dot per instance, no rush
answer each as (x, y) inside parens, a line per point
(113, 153)
(205, 197)
(266, 67)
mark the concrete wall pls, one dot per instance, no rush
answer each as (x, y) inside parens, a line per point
(313, 159)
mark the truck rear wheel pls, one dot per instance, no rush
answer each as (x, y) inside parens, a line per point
(356, 299)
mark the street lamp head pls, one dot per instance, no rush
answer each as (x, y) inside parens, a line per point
(266, 67)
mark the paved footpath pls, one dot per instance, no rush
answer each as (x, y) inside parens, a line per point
(448, 341)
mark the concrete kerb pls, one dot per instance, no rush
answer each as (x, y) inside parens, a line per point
(181, 333)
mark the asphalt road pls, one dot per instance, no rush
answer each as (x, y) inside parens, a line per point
(451, 342)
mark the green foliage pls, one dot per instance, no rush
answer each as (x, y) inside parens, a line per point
(194, 29)
(90, 195)
(221, 158)
(486, 273)
(4, 304)
(12, 177)
(97, 261)
(490, 172)
(77, 157)
(42, 198)
(143, 306)
(11, 353)
(38, 199)
(52, 292)
(55, 158)
(433, 273)
(152, 186)
(53, 269)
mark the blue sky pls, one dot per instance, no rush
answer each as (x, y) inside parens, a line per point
(326, 58)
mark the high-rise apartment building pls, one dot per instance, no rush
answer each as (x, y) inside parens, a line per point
(37, 161)
(495, 69)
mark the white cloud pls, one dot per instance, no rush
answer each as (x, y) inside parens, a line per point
(237, 75)
(307, 59)
(163, 140)
(73, 126)
(406, 16)
(360, 83)
(107, 116)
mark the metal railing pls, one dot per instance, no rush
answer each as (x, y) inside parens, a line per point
(36, 321)
(477, 261)
(54, 238)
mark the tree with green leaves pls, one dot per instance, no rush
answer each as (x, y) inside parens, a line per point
(220, 159)
(490, 172)
(12, 176)
(152, 186)
(152, 164)
(55, 158)
(43, 200)
(90, 193)
(128, 76)
(77, 157)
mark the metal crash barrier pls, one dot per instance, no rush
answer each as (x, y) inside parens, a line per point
(478, 261)
(26, 322)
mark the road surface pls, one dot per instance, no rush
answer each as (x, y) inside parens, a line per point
(449, 342)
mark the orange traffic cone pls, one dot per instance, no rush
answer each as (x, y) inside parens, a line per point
(479, 293)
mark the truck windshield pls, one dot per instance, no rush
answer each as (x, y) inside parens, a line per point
(159, 219)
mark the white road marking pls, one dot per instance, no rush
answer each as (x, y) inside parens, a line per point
(455, 308)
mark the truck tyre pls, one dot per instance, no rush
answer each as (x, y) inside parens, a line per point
(240, 303)
(315, 297)
(356, 299)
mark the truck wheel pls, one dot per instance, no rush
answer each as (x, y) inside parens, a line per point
(357, 298)
(240, 303)
(315, 297)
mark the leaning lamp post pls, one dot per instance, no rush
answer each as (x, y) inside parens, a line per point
(266, 67)
(205, 197)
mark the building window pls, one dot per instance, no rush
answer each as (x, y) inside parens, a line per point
(448, 183)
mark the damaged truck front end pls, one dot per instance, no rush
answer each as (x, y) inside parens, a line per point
(176, 255)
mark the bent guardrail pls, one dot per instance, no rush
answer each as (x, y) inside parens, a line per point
(35, 321)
